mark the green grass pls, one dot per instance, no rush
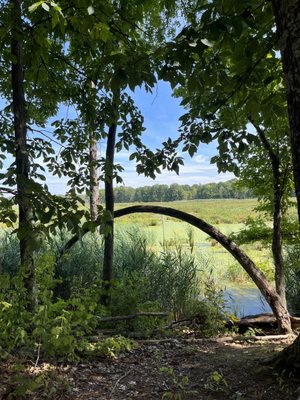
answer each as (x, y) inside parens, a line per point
(226, 215)
(223, 211)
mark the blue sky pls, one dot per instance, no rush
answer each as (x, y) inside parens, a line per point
(161, 112)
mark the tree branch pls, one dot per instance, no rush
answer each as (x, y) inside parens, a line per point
(133, 316)
(266, 144)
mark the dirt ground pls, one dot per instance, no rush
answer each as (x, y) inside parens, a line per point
(203, 369)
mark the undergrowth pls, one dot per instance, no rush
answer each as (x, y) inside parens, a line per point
(68, 293)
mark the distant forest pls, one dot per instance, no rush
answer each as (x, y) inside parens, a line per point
(173, 192)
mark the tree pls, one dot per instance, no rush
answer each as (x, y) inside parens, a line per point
(233, 79)
(287, 15)
(24, 57)
(22, 158)
(288, 31)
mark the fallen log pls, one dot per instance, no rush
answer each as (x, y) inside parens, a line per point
(263, 321)
(133, 316)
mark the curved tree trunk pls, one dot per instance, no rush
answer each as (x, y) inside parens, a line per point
(272, 298)
(21, 154)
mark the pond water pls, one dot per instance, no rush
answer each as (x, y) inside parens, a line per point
(245, 301)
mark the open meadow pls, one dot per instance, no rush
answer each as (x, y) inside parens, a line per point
(227, 215)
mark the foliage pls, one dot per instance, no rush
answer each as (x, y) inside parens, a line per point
(175, 192)
(14, 319)
(145, 281)
(47, 383)
(80, 267)
(293, 277)
(109, 347)
(211, 309)
(235, 273)
(56, 328)
(9, 250)
(216, 382)
(256, 229)
(178, 387)
(253, 332)
(168, 280)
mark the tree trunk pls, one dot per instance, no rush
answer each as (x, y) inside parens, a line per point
(94, 179)
(271, 296)
(109, 206)
(21, 154)
(277, 241)
(287, 17)
(288, 360)
(277, 214)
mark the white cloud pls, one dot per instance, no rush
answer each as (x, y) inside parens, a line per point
(200, 159)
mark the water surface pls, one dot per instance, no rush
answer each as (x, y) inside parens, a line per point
(245, 301)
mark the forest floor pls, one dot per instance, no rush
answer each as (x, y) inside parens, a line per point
(210, 369)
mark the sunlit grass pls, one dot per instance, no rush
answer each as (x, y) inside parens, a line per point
(228, 216)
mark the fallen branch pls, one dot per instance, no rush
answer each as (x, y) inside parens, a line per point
(128, 317)
(118, 381)
(264, 321)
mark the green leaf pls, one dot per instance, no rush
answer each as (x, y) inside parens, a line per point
(55, 19)
(35, 6)
(45, 7)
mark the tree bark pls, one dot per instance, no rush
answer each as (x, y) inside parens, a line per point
(277, 214)
(287, 17)
(109, 206)
(94, 179)
(277, 240)
(21, 154)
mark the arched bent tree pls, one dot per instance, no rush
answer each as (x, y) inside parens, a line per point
(267, 290)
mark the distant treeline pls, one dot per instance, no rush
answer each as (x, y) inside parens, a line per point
(173, 192)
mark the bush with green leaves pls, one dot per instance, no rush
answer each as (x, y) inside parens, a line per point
(144, 281)
(14, 318)
(55, 328)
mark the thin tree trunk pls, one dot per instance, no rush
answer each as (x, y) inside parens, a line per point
(21, 154)
(277, 215)
(277, 241)
(109, 206)
(94, 179)
(287, 17)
